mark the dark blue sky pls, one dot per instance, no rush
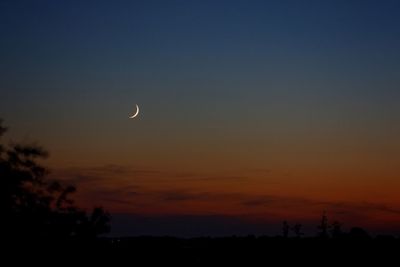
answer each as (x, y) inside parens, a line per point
(341, 57)
(271, 64)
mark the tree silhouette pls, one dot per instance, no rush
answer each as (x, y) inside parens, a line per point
(336, 230)
(285, 229)
(35, 207)
(323, 226)
(297, 230)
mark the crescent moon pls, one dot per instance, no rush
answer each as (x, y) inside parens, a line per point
(136, 113)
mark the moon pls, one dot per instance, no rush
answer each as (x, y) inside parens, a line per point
(136, 113)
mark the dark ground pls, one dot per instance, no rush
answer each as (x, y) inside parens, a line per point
(246, 251)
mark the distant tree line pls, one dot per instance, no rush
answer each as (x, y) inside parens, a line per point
(326, 230)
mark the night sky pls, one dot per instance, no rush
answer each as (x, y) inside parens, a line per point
(251, 112)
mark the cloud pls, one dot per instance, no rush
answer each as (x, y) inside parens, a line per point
(335, 206)
(212, 178)
(109, 169)
(113, 183)
(273, 200)
(78, 175)
(123, 184)
(362, 206)
(183, 196)
(104, 196)
(188, 195)
(117, 200)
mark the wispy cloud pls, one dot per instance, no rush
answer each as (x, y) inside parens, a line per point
(99, 173)
(123, 184)
(362, 206)
(183, 196)
(195, 196)
(273, 200)
(337, 206)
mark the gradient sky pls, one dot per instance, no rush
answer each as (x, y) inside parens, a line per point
(266, 110)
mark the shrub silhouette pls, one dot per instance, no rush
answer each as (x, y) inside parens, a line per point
(35, 207)
(336, 230)
(323, 226)
(297, 230)
(285, 229)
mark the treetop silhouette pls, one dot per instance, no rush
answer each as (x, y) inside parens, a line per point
(35, 207)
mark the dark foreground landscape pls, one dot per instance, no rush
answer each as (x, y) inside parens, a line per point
(383, 251)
